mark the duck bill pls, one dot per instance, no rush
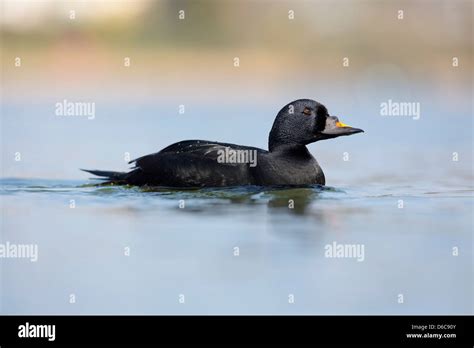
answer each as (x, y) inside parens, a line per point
(338, 129)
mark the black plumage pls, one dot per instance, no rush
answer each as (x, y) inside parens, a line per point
(201, 163)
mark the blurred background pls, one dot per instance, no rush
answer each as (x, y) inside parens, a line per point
(286, 50)
(190, 62)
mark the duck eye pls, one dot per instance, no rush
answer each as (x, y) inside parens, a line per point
(307, 111)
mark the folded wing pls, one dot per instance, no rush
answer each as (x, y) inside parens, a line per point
(194, 163)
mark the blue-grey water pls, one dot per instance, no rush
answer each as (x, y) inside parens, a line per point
(403, 190)
(174, 250)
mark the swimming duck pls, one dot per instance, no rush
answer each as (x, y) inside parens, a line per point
(202, 163)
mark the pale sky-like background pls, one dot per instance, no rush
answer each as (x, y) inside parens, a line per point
(190, 62)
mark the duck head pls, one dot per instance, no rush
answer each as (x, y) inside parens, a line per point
(305, 121)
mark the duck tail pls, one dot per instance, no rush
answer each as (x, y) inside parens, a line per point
(112, 177)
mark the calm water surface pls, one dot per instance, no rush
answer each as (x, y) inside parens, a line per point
(190, 251)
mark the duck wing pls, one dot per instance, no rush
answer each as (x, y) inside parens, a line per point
(194, 163)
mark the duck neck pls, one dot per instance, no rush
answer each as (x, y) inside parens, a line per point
(294, 149)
